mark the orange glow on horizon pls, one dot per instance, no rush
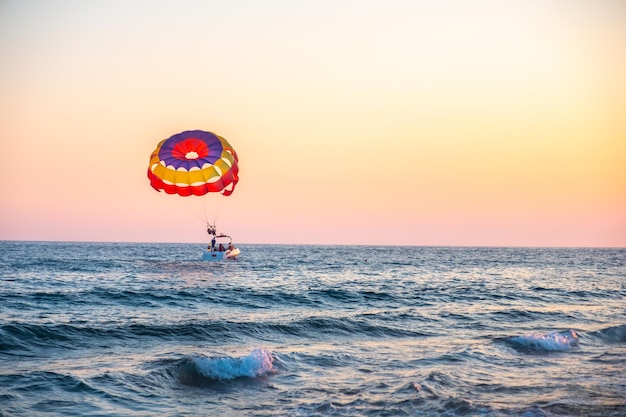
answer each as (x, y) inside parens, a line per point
(411, 123)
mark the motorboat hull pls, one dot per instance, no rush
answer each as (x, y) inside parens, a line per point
(215, 255)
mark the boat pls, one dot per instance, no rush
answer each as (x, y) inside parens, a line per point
(221, 247)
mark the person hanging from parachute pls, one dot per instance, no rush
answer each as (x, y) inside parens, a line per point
(194, 163)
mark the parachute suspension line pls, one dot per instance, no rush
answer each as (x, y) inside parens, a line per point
(197, 209)
(220, 204)
(205, 212)
(190, 208)
(205, 207)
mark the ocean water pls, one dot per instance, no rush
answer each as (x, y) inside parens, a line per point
(115, 329)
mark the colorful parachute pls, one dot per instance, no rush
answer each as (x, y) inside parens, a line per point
(194, 162)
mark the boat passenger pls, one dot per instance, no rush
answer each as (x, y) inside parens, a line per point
(222, 248)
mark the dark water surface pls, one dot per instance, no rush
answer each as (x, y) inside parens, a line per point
(95, 329)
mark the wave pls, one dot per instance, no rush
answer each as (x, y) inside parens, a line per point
(550, 342)
(197, 369)
(613, 334)
(24, 336)
(324, 327)
(18, 336)
(39, 392)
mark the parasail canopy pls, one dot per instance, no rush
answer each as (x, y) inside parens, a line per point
(194, 162)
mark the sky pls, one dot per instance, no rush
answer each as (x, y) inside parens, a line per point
(455, 123)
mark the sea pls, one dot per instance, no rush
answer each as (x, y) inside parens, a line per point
(148, 329)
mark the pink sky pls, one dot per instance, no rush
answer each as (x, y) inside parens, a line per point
(356, 122)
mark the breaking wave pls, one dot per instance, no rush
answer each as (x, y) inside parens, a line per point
(196, 368)
(551, 342)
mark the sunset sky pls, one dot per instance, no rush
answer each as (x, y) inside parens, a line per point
(499, 123)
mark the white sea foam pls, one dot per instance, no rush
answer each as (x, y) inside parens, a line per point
(555, 341)
(257, 363)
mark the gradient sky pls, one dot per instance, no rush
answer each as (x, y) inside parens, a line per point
(356, 122)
